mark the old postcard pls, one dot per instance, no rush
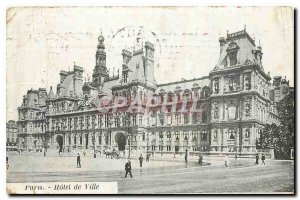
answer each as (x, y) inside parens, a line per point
(150, 100)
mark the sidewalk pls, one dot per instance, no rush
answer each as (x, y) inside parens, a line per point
(34, 163)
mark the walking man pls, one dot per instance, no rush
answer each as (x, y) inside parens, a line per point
(141, 160)
(200, 159)
(128, 169)
(7, 164)
(226, 160)
(78, 161)
(256, 159)
(263, 158)
(186, 155)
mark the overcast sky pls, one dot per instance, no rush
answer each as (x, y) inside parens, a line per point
(43, 41)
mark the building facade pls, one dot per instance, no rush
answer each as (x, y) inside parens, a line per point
(32, 120)
(222, 113)
(12, 140)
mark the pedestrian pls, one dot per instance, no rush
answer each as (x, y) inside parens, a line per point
(44, 152)
(141, 160)
(226, 160)
(78, 161)
(84, 153)
(147, 157)
(200, 159)
(7, 164)
(128, 169)
(256, 159)
(186, 155)
(263, 158)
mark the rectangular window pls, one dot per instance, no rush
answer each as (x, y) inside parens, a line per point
(106, 119)
(195, 118)
(204, 135)
(160, 148)
(69, 123)
(168, 148)
(117, 121)
(177, 119)
(161, 119)
(140, 120)
(100, 121)
(153, 147)
(169, 119)
(186, 118)
(134, 120)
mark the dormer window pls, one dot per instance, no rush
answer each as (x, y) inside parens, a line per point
(232, 53)
(232, 59)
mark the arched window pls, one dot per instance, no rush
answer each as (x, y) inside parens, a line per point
(169, 135)
(194, 135)
(177, 136)
(232, 133)
(161, 136)
(185, 135)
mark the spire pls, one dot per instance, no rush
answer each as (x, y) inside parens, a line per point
(50, 94)
(100, 53)
(259, 46)
(100, 41)
(139, 41)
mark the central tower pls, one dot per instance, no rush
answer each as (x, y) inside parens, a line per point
(100, 73)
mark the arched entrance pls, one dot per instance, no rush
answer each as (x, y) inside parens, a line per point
(60, 142)
(120, 139)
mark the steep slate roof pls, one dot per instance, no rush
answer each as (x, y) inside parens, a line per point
(136, 65)
(108, 85)
(183, 85)
(50, 94)
(246, 46)
(67, 86)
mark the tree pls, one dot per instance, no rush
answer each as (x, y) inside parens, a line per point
(286, 137)
(268, 136)
(281, 137)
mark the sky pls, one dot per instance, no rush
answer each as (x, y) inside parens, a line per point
(42, 41)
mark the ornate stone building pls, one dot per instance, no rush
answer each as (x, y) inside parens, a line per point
(12, 131)
(31, 121)
(221, 113)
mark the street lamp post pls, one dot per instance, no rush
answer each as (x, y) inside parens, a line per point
(128, 133)
(148, 125)
(94, 139)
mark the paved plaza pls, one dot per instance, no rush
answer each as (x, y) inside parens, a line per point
(160, 175)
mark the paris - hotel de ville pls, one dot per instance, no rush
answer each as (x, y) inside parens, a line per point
(223, 112)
